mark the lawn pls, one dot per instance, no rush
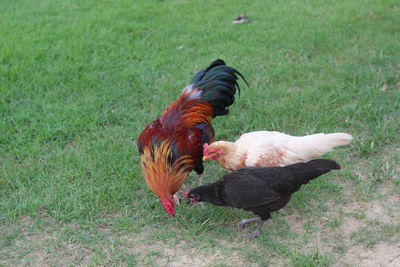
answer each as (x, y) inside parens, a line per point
(79, 80)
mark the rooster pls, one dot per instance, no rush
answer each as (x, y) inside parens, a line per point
(172, 145)
(260, 190)
(271, 149)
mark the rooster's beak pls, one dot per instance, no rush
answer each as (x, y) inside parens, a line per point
(205, 158)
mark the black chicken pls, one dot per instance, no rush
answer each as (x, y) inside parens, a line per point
(260, 190)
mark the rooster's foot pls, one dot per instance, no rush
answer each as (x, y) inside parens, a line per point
(200, 182)
(176, 199)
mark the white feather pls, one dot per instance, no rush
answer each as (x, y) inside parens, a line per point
(188, 90)
(268, 148)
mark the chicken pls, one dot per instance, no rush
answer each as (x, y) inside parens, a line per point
(271, 149)
(260, 190)
(172, 145)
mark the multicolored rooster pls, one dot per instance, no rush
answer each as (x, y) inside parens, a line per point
(172, 145)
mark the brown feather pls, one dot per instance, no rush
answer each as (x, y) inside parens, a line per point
(161, 177)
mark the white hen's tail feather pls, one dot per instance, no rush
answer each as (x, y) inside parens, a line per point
(311, 146)
(338, 139)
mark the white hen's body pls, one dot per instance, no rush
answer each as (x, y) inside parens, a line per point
(270, 149)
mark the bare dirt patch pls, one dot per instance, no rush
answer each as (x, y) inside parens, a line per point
(43, 247)
(181, 253)
(382, 254)
(360, 222)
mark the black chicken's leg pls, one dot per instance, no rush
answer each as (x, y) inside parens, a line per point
(256, 232)
(243, 222)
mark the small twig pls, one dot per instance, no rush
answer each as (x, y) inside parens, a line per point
(394, 258)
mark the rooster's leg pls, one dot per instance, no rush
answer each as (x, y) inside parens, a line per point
(176, 199)
(200, 179)
(256, 232)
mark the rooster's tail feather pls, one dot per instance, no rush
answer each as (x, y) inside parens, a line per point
(217, 86)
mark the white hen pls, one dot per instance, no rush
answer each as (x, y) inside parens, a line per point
(270, 149)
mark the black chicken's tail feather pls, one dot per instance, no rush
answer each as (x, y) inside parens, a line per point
(305, 172)
(218, 86)
(324, 165)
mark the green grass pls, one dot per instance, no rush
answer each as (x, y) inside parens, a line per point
(79, 80)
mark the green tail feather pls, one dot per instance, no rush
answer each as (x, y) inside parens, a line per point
(218, 85)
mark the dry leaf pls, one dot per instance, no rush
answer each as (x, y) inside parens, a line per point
(240, 19)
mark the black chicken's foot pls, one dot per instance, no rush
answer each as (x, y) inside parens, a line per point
(256, 232)
(243, 222)
(253, 234)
